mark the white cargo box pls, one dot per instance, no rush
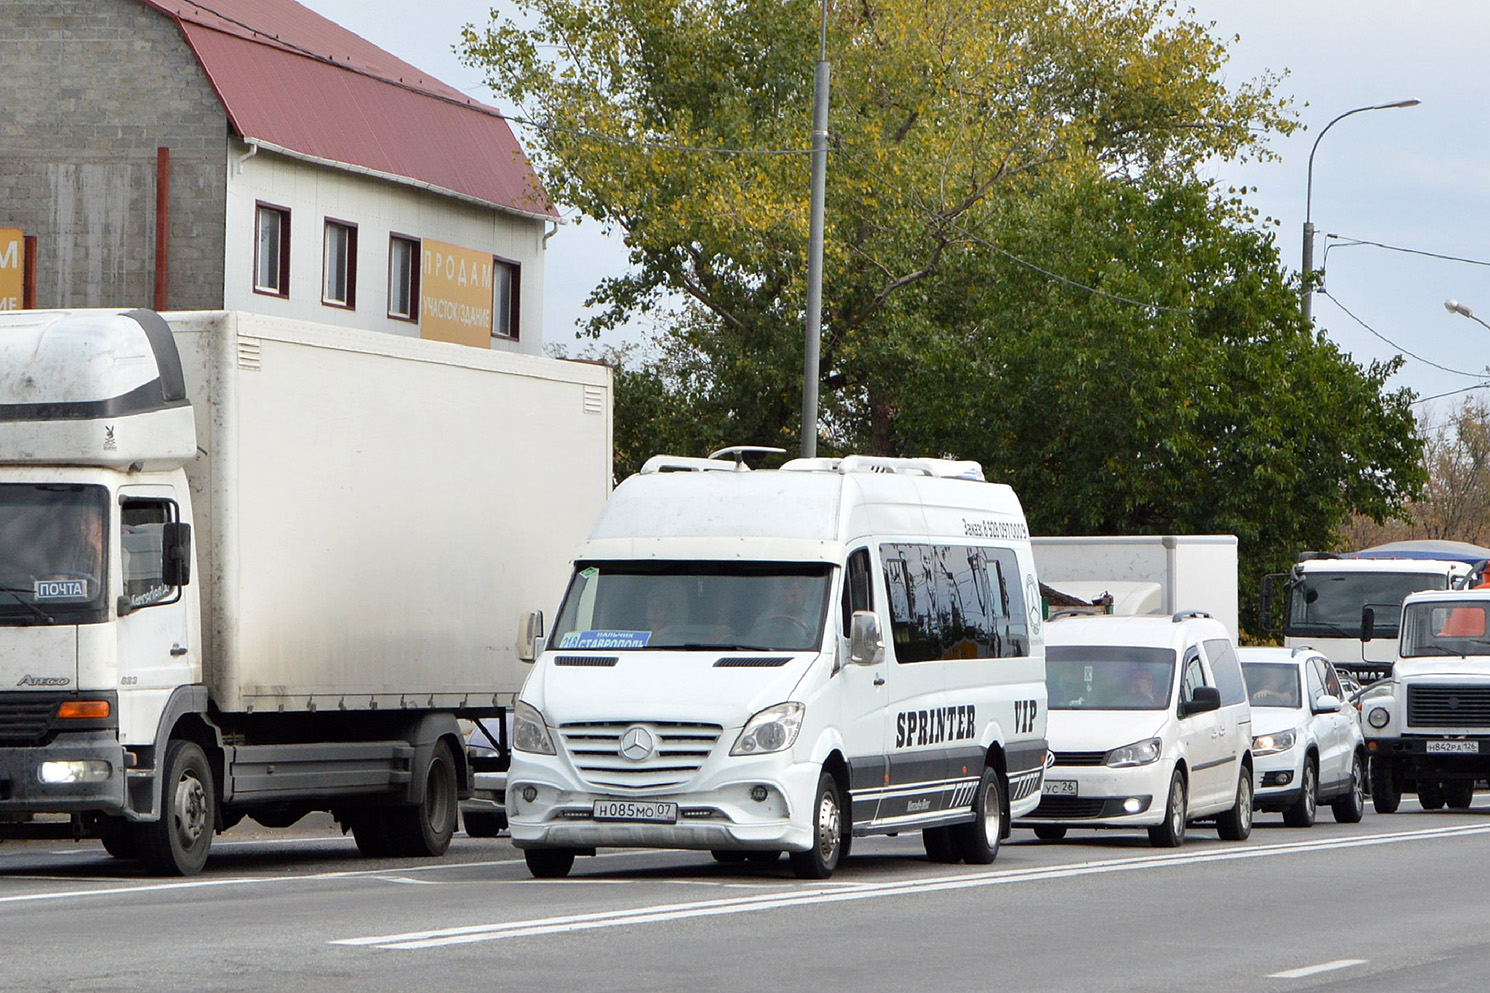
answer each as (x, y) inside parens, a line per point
(374, 512)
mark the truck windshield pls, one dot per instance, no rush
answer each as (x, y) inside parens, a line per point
(1096, 677)
(1328, 604)
(700, 606)
(1446, 627)
(53, 564)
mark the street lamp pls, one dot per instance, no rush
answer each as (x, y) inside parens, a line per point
(1455, 307)
(1306, 298)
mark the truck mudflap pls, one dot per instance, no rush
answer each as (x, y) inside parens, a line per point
(75, 772)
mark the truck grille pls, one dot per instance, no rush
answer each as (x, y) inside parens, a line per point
(25, 718)
(1448, 706)
(678, 750)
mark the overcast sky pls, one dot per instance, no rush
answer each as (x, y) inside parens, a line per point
(1414, 179)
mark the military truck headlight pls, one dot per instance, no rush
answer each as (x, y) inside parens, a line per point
(529, 733)
(1378, 717)
(772, 730)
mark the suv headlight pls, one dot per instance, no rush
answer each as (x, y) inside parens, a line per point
(529, 733)
(1278, 741)
(771, 730)
(1139, 753)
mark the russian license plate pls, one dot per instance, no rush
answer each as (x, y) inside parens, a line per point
(1454, 747)
(650, 812)
(1059, 787)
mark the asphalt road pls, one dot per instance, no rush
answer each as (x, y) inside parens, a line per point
(1394, 903)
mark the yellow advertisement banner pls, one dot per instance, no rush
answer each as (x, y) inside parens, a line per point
(12, 268)
(455, 294)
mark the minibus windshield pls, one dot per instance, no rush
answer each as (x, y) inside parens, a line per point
(694, 606)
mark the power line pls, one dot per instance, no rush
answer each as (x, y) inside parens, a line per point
(1347, 242)
(1440, 396)
(1458, 372)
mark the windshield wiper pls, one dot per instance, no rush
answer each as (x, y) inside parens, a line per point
(15, 594)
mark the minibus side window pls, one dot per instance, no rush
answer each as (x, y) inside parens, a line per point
(857, 592)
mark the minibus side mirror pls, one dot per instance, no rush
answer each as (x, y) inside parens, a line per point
(530, 636)
(866, 641)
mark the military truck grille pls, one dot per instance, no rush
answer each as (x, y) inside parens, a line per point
(1448, 706)
(1079, 758)
(25, 718)
(679, 749)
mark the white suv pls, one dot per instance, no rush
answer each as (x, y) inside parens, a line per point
(1306, 740)
(1149, 727)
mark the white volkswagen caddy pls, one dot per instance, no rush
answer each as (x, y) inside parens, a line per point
(1149, 728)
(757, 662)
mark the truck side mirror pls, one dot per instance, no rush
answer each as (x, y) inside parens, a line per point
(175, 566)
(866, 643)
(529, 634)
(1265, 602)
(1368, 624)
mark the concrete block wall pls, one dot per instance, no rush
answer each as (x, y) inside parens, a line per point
(89, 89)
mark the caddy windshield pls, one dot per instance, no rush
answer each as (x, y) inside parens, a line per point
(700, 606)
(52, 553)
(1095, 677)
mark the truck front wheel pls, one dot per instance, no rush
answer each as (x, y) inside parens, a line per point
(177, 843)
(1386, 791)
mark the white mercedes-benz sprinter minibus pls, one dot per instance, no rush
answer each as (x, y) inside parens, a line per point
(757, 662)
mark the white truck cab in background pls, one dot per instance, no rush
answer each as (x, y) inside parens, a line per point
(1318, 603)
(757, 662)
(257, 567)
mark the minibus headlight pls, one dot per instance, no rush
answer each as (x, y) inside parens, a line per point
(1138, 753)
(772, 730)
(529, 733)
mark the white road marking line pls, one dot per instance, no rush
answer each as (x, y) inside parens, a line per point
(409, 882)
(819, 895)
(1314, 970)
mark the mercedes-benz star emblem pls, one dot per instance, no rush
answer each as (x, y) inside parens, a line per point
(636, 743)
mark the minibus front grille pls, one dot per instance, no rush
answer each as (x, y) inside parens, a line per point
(763, 662)
(678, 750)
(596, 661)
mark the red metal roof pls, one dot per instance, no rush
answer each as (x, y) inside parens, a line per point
(288, 77)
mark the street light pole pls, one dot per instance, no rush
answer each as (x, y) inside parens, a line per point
(813, 343)
(1306, 297)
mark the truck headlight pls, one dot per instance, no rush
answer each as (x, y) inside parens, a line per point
(529, 732)
(1378, 717)
(1278, 741)
(1138, 753)
(772, 730)
(81, 771)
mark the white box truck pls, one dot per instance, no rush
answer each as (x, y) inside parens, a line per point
(257, 567)
(1145, 574)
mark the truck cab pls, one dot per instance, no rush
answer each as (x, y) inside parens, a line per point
(1427, 725)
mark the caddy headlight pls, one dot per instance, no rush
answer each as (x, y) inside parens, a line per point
(1278, 741)
(1138, 753)
(529, 732)
(772, 730)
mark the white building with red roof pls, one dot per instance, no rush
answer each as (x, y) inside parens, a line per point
(253, 155)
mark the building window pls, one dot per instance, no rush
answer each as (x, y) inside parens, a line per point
(272, 250)
(506, 281)
(403, 278)
(339, 265)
